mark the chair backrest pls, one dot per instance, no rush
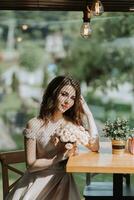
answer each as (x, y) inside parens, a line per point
(6, 159)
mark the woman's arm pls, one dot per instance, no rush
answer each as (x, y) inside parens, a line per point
(34, 164)
(89, 122)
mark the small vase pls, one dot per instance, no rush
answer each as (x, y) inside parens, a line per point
(118, 146)
(131, 145)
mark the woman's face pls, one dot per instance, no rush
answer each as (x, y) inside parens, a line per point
(66, 98)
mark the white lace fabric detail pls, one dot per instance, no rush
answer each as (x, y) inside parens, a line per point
(44, 136)
(41, 133)
(32, 128)
(29, 133)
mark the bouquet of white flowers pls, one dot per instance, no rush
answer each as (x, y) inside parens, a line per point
(71, 134)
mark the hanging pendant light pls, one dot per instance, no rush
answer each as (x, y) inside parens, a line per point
(97, 8)
(85, 29)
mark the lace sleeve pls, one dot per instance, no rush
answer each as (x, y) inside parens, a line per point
(29, 133)
(88, 119)
(32, 128)
(90, 125)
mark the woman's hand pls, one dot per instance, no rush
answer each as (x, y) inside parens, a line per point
(62, 156)
(61, 151)
(59, 146)
(93, 144)
(71, 152)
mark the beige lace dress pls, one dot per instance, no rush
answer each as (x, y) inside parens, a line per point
(51, 183)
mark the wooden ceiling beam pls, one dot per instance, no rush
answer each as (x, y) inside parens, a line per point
(65, 5)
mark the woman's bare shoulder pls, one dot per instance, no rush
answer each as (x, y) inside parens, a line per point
(34, 122)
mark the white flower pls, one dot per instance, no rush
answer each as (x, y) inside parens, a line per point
(67, 133)
(64, 138)
(69, 146)
(72, 138)
(59, 132)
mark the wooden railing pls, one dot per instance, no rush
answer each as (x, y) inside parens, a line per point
(6, 159)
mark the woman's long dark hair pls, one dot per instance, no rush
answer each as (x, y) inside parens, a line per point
(49, 101)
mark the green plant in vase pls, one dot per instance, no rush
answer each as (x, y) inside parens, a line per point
(118, 132)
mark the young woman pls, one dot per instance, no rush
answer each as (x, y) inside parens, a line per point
(45, 177)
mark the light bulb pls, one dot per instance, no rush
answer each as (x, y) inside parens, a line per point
(19, 39)
(86, 30)
(97, 8)
(24, 27)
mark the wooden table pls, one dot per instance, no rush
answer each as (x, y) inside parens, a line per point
(104, 162)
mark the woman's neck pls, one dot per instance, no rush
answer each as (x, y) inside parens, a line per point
(57, 116)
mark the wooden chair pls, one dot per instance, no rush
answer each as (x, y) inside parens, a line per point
(6, 159)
